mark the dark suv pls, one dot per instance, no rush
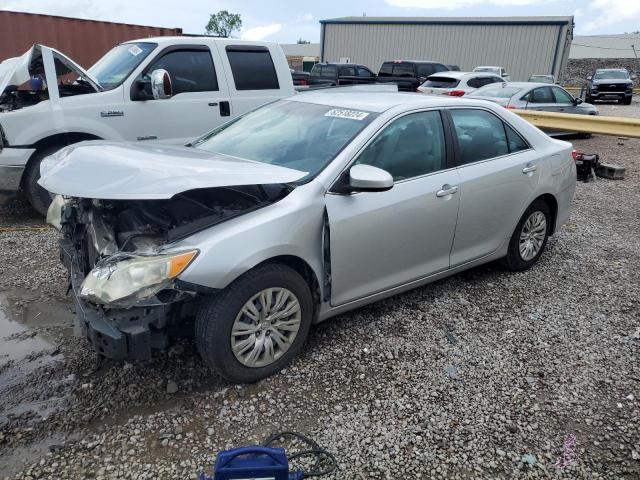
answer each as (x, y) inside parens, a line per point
(408, 74)
(333, 74)
(610, 83)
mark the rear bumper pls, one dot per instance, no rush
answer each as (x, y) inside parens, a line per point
(118, 334)
(12, 165)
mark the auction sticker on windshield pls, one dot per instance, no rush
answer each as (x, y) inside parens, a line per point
(135, 50)
(344, 113)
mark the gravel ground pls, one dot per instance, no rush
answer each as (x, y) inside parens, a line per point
(486, 374)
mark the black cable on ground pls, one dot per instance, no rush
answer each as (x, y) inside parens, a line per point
(320, 454)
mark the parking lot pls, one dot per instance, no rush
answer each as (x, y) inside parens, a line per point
(486, 374)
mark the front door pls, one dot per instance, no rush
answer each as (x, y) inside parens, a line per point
(200, 102)
(498, 175)
(380, 240)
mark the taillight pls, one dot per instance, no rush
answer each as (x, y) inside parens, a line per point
(303, 82)
(574, 154)
(455, 93)
(510, 107)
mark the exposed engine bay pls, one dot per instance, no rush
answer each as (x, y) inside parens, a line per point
(100, 233)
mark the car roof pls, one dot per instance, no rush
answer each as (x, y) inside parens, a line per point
(487, 66)
(376, 101)
(458, 75)
(413, 61)
(194, 39)
(611, 69)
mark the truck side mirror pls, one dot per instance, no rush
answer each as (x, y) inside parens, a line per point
(161, 84)
(589, 77)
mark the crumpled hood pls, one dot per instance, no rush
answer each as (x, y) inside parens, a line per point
(15, 71)
(130, 171)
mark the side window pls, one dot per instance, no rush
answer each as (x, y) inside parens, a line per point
(190, 70)
(348, 72)
(485, 81)
(440, 68)
(316, 70)
(363, 72)
(403, 70)
(541, 95)
(411, 146)
(426, 70)
(516, 143)
(474, 83)
(561, 96)
(252, 68)
(330, 71)
(481, 135)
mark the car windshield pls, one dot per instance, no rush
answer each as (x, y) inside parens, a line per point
(499, 90)
(298, 135)
(612, 74)
(112, 69)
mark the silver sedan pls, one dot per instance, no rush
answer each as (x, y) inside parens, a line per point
(294, 213)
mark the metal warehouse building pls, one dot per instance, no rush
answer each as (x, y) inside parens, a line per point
(523, 45)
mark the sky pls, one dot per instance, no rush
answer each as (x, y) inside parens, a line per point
(286, 21)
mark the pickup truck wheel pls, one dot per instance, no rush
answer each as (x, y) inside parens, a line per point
(38, 197)
(588, 99)
(255, 326)
(529, 238)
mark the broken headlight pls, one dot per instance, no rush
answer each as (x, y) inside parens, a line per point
(128, 281)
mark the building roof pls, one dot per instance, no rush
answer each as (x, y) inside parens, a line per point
(605, 46)
(301, 49)
(538, 20)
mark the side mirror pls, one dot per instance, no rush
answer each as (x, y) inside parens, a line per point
(577, 101)
(367, 178)
(161, 84)
(589, 77)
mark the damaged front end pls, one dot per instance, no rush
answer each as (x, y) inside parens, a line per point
(123, 271)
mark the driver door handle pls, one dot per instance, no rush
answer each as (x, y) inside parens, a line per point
(447, 190)
(529, 169)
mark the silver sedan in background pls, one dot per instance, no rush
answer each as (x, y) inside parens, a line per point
(294, 213)
(535, 96)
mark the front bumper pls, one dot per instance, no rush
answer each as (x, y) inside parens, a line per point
(118, 334)
(602, 95)
(12, 165)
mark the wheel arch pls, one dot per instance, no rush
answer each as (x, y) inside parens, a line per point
(305, 270)
(552, 203)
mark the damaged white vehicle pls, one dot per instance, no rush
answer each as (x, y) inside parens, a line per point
(166, 89)
(296, 212)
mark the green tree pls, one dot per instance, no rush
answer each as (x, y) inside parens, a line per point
(223, 24)
(302, 40)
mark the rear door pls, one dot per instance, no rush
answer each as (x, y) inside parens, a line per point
(199, 88)
(498, 174)
(255, 76)
(380, 240)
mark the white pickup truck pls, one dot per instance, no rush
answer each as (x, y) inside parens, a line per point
(165, 89)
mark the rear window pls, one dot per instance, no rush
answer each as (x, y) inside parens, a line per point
(392, 69)
(496, 91)
(252, 68)
(441, 82)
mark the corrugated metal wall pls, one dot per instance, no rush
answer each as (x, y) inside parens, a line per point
(522, 49)
(84, 41)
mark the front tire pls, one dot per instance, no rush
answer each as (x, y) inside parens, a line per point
(529, 238)
(255, 326)
(38, 197)
(627, 101)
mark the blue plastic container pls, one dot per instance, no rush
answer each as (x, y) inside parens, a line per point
(252, 463)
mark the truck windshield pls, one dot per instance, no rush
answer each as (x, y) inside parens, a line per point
(298, 135)
(612, 74)
(112, 69)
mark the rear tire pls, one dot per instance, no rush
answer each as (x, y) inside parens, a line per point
(38, 197)
(221, 322)
(529, 238)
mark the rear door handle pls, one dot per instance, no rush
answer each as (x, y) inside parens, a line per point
(447, 190)
(529, 169)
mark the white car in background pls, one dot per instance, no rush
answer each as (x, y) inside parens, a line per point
(457, 84)
(500, 71)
